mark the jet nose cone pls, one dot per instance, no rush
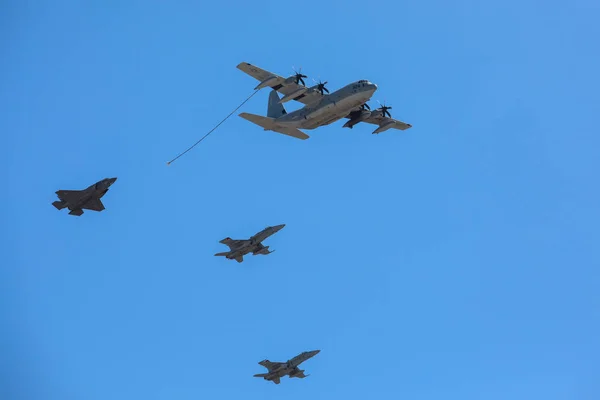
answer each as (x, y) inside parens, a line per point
(279, 227)
(111, 180)
(314, 352)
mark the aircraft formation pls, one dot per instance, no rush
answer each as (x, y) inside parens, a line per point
(320, 109)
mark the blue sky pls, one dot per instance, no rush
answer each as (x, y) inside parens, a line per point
(456, 260)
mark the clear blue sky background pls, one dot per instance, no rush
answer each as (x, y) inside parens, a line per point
(456, 260)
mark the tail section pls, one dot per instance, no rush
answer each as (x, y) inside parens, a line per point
(266, 122)
(227, 240)
(227, 254)
(260, 375)
(269, 124)
(267, 364)
(59, 204)
(77, 212)
(275, 108)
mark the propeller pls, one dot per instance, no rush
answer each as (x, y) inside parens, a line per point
(321, 87)
(384, 110)
(298, 76)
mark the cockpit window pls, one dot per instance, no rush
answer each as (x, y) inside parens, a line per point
(362, 81)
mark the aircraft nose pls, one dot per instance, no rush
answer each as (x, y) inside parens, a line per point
(374, 86)
(112, 180)
(314, 352)
(279, 227)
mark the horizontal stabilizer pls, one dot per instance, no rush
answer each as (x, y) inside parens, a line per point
(224, 254)
(266, 122)
(269, 124)
(59, 204)
(76, 212)
(260, 375)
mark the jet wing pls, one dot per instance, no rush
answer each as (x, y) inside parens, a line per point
(299, 375)
(70, 196)
(278, 83)
(93, 204)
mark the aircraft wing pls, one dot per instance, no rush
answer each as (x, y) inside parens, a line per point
(299, 375)
(278, 83)
(387, 122)
(93, 204)
(70, 196)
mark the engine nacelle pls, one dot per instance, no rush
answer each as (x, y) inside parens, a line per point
(267, 82)
(357, 117)
(293, 95)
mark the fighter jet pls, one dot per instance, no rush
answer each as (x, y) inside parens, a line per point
(89, 198)
(277, 370)
(319, 109)
(239, 248)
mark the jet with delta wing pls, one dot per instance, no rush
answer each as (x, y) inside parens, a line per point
(88, 198)
(239, 248)
(277, 370)
(319, 109)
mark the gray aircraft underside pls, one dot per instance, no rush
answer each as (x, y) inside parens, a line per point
(89, 198)
(319, 109)
(238, 248)
(277, 370)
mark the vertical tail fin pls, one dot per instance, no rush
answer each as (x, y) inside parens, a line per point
(275, 108)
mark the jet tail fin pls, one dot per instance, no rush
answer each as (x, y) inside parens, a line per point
(77, 212)
(224, 254)
(260, 375)
(275, 108)
(269, 124)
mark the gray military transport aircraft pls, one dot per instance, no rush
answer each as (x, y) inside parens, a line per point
(277, 370)
(239, 248)
(320, 109)
(89, 198)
